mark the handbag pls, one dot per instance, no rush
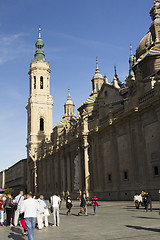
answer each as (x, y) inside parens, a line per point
(46, 212)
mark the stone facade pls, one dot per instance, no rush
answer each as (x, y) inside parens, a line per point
(112, 149)
(15, 177)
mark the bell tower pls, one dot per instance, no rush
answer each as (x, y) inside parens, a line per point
(155, 24)
(39, 109)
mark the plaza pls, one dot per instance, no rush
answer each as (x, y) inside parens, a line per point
(114, 220)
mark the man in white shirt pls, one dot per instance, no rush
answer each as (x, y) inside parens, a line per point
(30, 207)
(18, 200)
(55, 203)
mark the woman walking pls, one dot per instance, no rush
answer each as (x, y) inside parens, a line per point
(8, 208)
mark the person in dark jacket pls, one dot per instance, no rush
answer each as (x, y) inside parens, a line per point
(68, 204)
(149, 202)
(8, 208)
(83, 209)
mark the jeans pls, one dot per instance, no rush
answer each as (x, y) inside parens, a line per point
(95, 209)
(30, 224)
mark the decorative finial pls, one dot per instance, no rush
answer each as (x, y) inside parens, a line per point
(97, 68)
(105, 79)
(39, 32)
(115, 70)
(69, 93)
(131, 49)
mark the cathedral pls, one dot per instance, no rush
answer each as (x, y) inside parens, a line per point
(112, 148)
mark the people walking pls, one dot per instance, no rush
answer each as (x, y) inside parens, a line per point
(55, 203)
(68, 204)
(149, 202)
(95, 204)
(17, 202)
(8, 205)
(83, 205)
(1, 211)
(46, 211)
(40, 213)
(30, 207)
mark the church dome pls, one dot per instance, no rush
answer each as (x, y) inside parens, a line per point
(144, 45)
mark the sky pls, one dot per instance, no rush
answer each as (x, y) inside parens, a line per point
(74, 33)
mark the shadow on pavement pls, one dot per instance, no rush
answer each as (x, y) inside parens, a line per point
(146, 217)
(143, 228)
(16, 234)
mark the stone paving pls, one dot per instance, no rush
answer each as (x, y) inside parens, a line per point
(114, 220)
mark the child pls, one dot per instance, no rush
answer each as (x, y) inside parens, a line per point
(95, 204)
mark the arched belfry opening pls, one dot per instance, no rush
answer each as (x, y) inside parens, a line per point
(41, 124)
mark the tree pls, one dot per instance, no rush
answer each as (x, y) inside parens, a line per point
(9, 191)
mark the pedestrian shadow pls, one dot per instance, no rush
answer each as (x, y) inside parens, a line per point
(146, 217)
(16, 236)
(143, 228)
(16, 230)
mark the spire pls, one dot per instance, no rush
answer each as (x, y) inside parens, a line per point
(97, 72)
(115, 72)
(69, 101)
(97, 68)
(115, 81)
(39, 32)
(131, 61)
(69, 97)
(69, 107)
(39, 54)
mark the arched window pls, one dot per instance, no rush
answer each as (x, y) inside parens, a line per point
(41, 82)
(34, 82)
(41, 124)
(97, 89)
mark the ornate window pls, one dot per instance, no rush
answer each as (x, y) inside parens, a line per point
(41, 82)
(41, 124)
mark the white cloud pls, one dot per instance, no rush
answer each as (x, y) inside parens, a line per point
(12, 47)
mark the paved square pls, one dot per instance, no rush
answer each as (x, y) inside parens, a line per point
(114, 220)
